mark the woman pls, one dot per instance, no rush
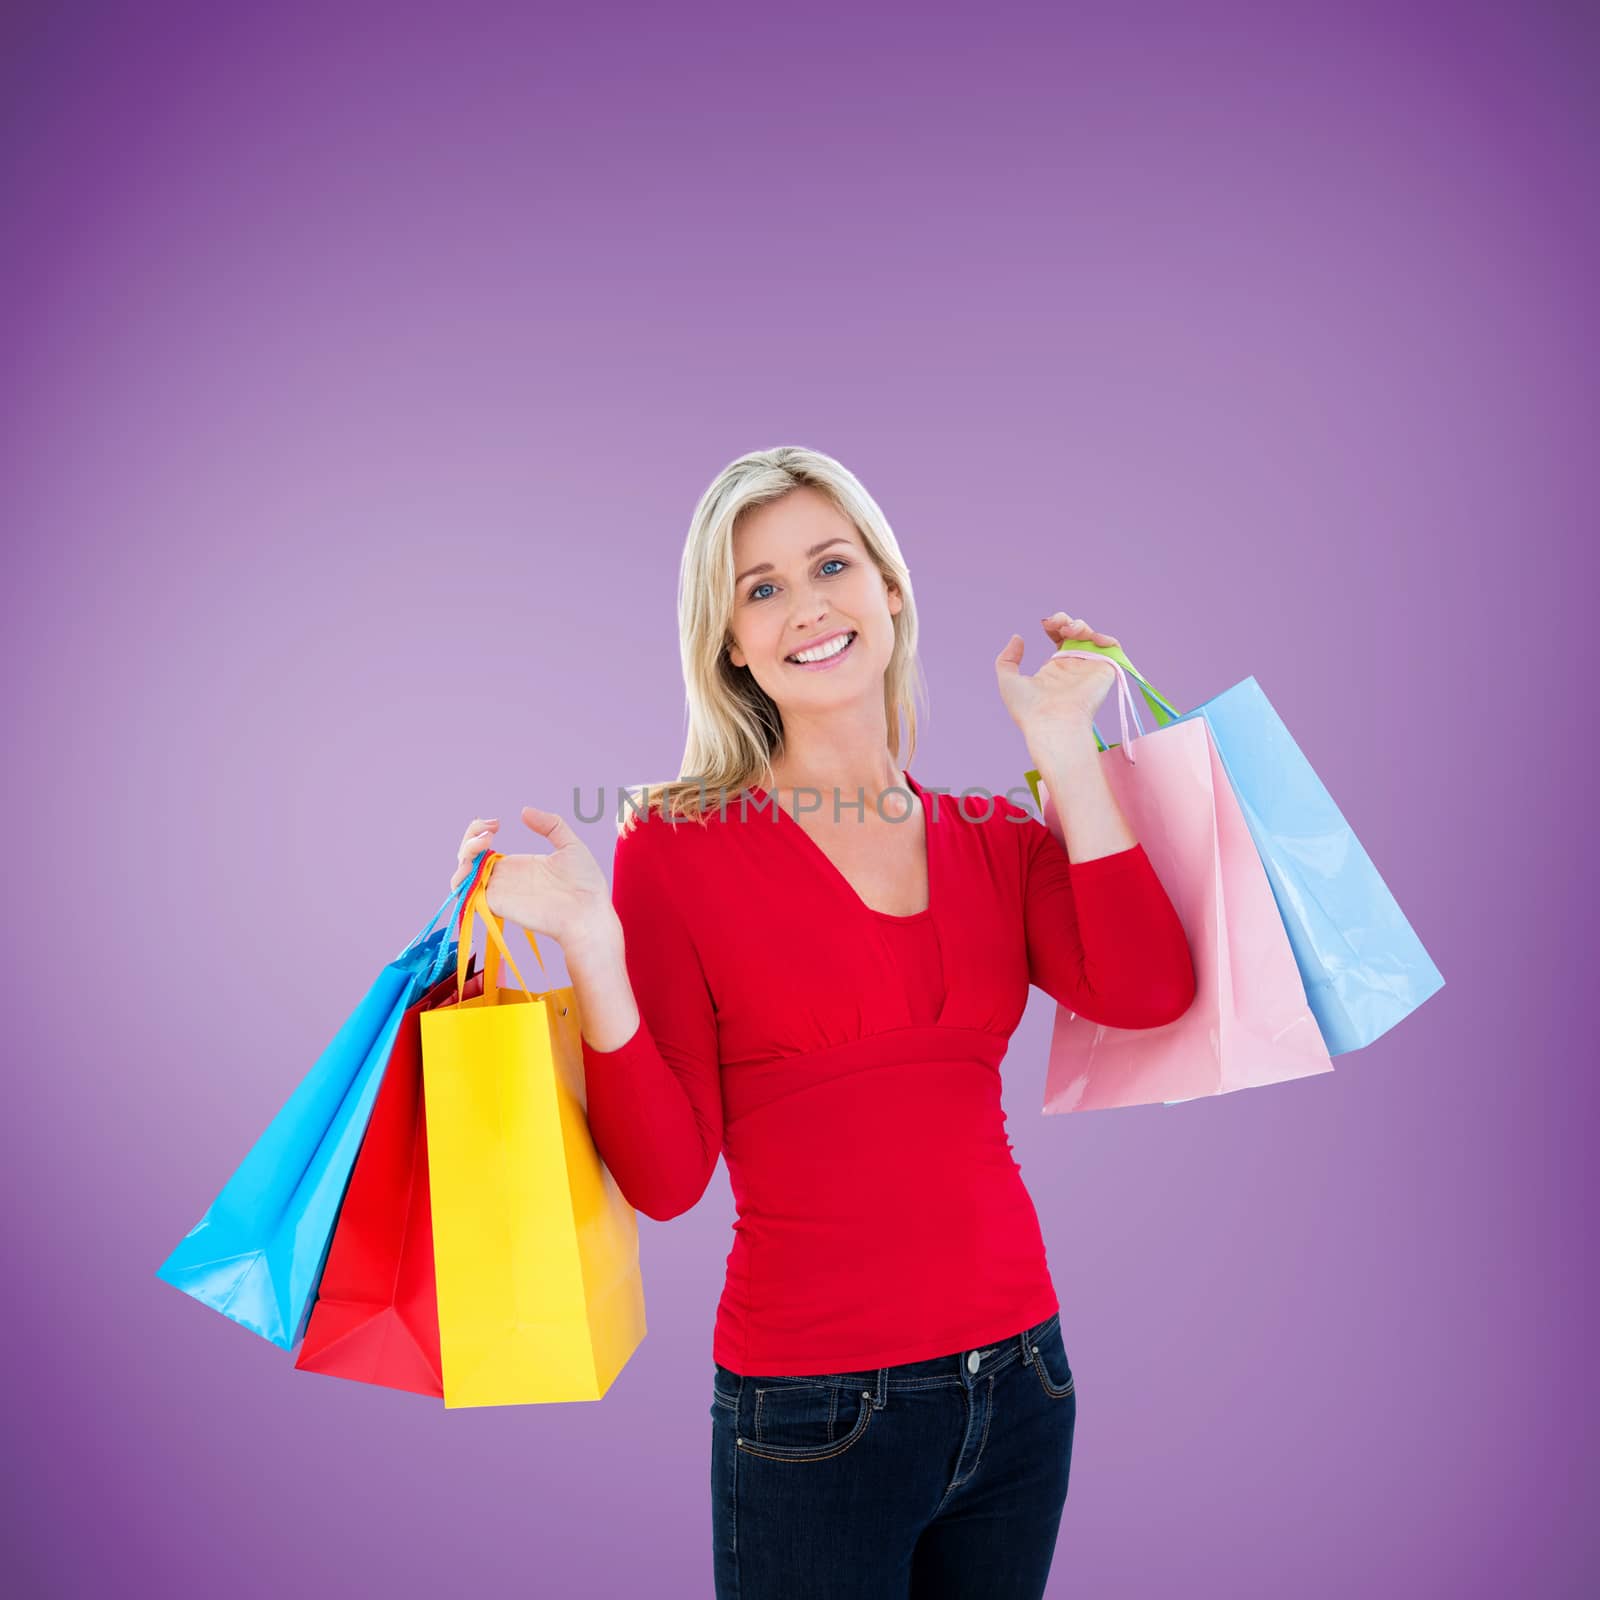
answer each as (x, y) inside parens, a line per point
(811, 965)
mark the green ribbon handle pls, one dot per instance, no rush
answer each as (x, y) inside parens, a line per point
(1160, 707)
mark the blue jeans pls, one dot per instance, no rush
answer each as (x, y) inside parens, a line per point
(930, 1480)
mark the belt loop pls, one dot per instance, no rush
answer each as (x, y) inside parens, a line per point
(881, 1398)
(1024, 1340)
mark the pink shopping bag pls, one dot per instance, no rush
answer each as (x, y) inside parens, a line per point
(1250, 1022)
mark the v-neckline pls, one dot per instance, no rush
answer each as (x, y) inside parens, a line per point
(849, 888)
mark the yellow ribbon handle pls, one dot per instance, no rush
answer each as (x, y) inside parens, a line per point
(477, 905)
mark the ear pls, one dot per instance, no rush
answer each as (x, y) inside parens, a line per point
(736, 655)
(896, 601)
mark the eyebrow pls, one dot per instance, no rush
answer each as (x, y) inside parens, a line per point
(766, 566)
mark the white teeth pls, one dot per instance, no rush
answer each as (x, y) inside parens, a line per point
(822, 652)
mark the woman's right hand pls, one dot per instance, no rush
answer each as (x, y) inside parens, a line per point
(563, 894)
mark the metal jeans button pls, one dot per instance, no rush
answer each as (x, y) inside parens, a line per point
(972, 1362)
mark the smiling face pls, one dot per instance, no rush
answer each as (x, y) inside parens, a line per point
(804, 583)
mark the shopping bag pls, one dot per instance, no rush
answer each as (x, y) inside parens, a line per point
(376, 1314)
(258, 1252)
(1362, 964)
(536, 1252)
(1249, 1023)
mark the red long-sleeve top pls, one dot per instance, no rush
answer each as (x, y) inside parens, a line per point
(846, 1064)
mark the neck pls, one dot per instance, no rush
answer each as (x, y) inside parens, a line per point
(838, 754)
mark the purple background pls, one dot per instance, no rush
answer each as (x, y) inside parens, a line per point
(363, 370)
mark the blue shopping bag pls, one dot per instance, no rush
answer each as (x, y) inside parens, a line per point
(1363, 966)
(257, 1254)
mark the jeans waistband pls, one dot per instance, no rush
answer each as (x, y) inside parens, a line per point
(958, 1367)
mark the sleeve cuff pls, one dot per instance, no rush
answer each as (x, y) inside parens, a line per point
(637, 1043)
(1108, 866)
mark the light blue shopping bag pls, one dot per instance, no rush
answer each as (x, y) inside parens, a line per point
(257, 1254)
(1363, 966)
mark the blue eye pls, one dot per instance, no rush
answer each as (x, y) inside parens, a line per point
(830, 561)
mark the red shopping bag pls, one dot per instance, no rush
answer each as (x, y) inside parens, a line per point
(376, 1318)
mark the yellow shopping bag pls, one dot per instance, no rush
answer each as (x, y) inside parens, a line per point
(536, 1252)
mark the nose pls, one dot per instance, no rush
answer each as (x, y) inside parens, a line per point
(809, 612)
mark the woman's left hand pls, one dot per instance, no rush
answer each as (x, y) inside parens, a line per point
(1066, 693)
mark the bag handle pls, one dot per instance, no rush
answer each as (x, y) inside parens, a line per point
(450, 899)
(477, 905)
(1161, 709)
(447, 949)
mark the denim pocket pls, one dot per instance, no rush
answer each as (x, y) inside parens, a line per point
(800, 1421)
(1050, 1359)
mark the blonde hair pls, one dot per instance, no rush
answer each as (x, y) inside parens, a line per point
(734, 726)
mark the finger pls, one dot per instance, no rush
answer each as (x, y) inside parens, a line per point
(552, 825)
(477, 826)
(473, 843)
(1007, 662)
(1062, 626)
(472, 860)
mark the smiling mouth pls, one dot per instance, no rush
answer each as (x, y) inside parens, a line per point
(833, 655)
